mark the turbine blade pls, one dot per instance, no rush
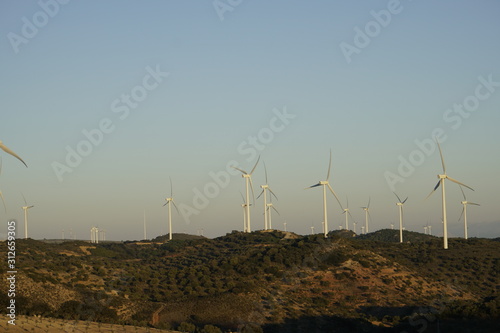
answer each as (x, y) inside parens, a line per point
(8, 151)
(405, 200)
(472, 203)
(251, 187)
(171, 188)
(265, 171)
(331, 190)
(463, 209)
(272, 193)
(242, 198)
(242, 171)
(352, 217)
(166, 203)
(276, 210)
(442, 159)
(3, 200)
(260, 194)
(369, 199)
(315, 185)
(329, 166)
(253, 169)
(397, 196)
(459, 183)
(465, 199)
(24, 199)
(434, 190)
(177, 209)
(347, 199)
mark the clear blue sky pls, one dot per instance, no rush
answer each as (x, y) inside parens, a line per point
(69, 67)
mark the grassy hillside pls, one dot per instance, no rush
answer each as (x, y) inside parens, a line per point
(266, 281)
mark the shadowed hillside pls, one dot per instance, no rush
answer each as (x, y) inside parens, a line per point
(266, 281)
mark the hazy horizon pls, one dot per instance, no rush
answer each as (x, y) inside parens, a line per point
(107, 101)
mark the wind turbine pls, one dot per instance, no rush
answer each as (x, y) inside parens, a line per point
(145, 233)
(25, 208)
(284, 225)
(400, 205)
(248, 181)
(326, 184)
(425, 230)
(347, 214)
(269, 206)
(244, 205)
(169, 201)
(442, 178)
(8, 151)
(354, 226)
(266, 188)
(464, 211)
(367, 214)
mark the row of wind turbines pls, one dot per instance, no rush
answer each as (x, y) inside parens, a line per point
(26, 207)
(269, 206)
(325, 184)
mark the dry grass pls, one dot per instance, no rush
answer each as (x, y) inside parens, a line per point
(49, 325)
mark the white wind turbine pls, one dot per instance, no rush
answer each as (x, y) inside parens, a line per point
(367, 214)
(400, 205)
(169, 202)
(441, 182)
(326, 184)
(25, 208)
(248, 182)
(244, 205)
(464, 211)
(347, 214)
(269, 207)
(8, 151)
(145, 233)
(266, 188)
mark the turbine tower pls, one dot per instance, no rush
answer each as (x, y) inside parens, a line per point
(244, 205)
(8, 151)
(464, 211)
(145, 233)
(326, 184)
(248, 182)
(441, 182)
(169, 202)
(367, 214)
(269, 206)
(400, 205)
(266, 188)
(347, 214)
(25, 208)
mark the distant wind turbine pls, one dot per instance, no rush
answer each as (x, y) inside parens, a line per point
(169, 202)
(442, 178)
(326, 184)
(8, 151)
(145, 233)
(244, 205)
(354, 226)
(400, 205)
(347, 214)
(248, 186)
(464, 211)
(269, 207)
(367, 214)
(25, 208)
(266, 188)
